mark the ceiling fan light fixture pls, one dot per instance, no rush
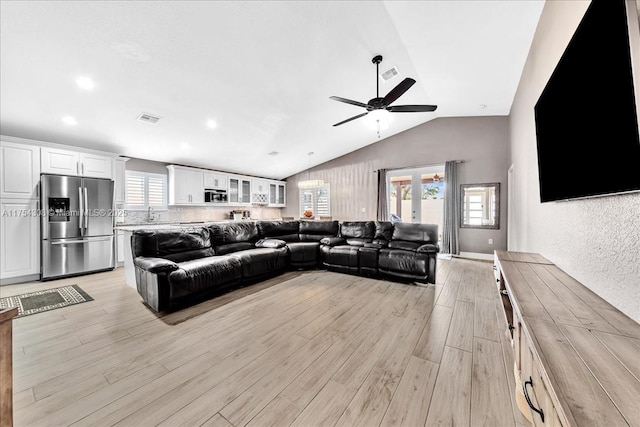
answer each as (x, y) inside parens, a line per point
(378, 119)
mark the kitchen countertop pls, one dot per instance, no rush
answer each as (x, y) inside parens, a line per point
(167, 225)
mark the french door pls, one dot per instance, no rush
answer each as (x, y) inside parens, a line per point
(417, 195)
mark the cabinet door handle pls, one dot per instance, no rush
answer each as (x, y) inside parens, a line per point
(526, 396)
(511, 327)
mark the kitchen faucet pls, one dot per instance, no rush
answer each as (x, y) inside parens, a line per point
(150, 214)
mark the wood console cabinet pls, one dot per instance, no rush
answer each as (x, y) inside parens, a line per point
(577, 358)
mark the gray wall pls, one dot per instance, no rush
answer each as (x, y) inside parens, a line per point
(597, 240)
(480, 141)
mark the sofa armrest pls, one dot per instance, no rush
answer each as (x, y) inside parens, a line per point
(332, 241)
(373, 245)
(428, 248)
(155, 265)
(380, 242)
(271, 243)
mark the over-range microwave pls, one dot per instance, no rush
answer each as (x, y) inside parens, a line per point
(215, 196)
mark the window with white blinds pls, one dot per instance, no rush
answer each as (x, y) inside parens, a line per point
(146, 190)
(317, 200)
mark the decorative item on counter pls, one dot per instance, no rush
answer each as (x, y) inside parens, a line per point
(308, 214)
(239, 215)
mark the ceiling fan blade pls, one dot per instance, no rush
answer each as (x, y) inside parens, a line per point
(348, 101)
(412, 108)
(352, 118)
(397, 91)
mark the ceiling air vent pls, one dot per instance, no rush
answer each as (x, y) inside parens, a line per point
(389, 74)
(148, 118)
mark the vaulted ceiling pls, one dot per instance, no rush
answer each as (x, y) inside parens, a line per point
(261, 71)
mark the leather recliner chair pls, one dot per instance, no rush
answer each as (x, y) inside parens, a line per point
(411, 253)
(342, 253)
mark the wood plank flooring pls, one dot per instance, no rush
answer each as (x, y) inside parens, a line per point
(304, 348)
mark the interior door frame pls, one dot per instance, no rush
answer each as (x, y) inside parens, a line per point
(416, 190)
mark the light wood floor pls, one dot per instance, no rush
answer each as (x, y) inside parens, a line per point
(305, 348)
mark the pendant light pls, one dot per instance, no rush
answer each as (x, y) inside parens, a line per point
(310, 183)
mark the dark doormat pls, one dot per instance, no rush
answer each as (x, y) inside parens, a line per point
(41, 301)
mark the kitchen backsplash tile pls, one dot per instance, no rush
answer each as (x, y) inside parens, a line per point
(198, 213)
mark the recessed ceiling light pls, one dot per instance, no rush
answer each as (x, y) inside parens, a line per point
(483, 105)
(185, 145)
(273, 153)
(211, 124)
(68, 120)
(85, 83)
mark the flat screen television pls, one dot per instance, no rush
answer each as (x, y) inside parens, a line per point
(586, 117)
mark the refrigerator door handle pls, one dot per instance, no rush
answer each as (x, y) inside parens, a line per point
(80, 211)
(86, 206)
(70, 242)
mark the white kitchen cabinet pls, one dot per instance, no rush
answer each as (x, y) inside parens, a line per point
(20, 242)
(20, 171)
(120, 179)
(186, 186)
(214, 180)
(277, 194)
(68, 162)
(239, 190)
(120, 254)
(260, 191)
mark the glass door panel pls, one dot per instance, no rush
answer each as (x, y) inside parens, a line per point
(417, 195)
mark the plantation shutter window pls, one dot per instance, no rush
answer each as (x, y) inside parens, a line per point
(157, 186)
(145, 190)
(316, 200)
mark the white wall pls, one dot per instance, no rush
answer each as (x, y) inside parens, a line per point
(597, 240)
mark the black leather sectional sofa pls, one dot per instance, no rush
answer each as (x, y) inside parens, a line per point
(175, 267)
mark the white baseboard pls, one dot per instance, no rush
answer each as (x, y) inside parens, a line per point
(19, 279)
(476, 255)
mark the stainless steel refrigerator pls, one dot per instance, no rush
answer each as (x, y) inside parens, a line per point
(76, 225)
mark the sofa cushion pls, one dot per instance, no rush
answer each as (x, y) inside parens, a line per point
(304, 254)
(406, 262)
(178, 245)
(261, 261)
(357, 230)
(232, 247)
(415, 232)
(283, 230)
(384, 230)
(314, 231)
(205, 273)
(404, 245)
(346, 255)
(236, 232)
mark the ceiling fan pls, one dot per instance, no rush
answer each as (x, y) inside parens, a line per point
(378, 103)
